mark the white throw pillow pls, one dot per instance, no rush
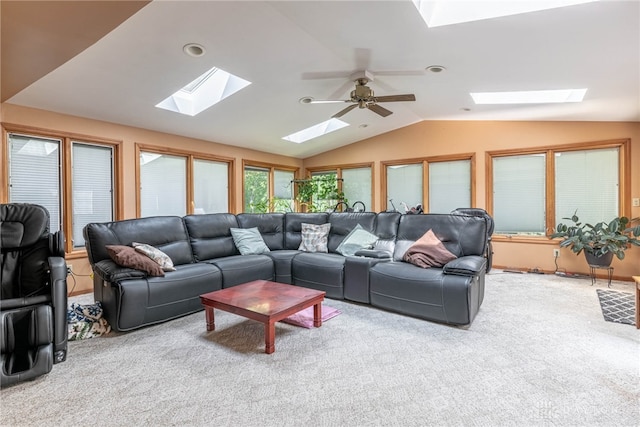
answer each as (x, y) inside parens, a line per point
(314, 237)
(357, 239)
(155, 254)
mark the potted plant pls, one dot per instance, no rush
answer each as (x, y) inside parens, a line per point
(600, 241)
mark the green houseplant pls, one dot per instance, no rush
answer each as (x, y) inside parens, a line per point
(600, 241)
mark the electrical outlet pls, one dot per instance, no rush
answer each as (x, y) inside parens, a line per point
(69, 268)
(635, 202)
(556, 253)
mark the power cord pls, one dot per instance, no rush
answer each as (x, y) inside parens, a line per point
(73, 277)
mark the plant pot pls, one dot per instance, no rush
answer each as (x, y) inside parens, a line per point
(599, 261)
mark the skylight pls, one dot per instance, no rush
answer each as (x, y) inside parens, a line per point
(316, 131)
(205, 91)
(437, 13)
(530, 97)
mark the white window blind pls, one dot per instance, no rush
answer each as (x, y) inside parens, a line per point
(163, 185)
(34, 174)
(587, 182)
(210, 186)
(519, 194)
(404, 184)
(92, 187)
(449, 186)
(283, 189)
(356, 186)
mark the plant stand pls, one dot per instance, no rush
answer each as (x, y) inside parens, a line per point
(592, 273)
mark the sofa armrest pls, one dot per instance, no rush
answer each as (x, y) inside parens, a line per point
(373, 253)
(111, 272)
(470, 265)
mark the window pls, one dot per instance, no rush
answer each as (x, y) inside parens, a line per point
(163, 185)
(356, 185)
(74, 180)
(210, 186)
(519, 194)
(268, 188)
(256, 189)
(587, 181)
(283, 191)
(34, 174)
(172, 182)
(531, 192)
(404, 186)
(92, 186)
(449, 185)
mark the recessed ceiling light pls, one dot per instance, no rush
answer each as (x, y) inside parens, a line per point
(530, 97)
(194, 49)
(435, 68)
(364, 125)
(306, 100)
(465, 109)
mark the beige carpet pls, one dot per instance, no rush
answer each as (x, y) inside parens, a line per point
(539, 353)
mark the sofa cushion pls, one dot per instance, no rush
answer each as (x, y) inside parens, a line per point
(342, 223)
(238, 269)
(357, 239)
(293, 226)
(156, 255)
(314, 237)
(127, 256)
(210, 236)
(428, 251)
(270, 225)
(320, 271)
(248, 241)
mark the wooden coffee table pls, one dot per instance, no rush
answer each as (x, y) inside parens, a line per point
(264, 301)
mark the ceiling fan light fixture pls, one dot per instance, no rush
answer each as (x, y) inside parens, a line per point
(194, 49)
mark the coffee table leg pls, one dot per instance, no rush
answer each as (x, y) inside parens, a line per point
(269, 337)
(317, 315)
(211, 324)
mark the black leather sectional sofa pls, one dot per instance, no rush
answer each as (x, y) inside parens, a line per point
(206, 259)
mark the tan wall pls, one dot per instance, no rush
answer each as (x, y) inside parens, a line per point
(434, 138)
(429, 138)
(129, 136)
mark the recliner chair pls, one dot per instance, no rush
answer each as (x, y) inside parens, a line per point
(490, 226)
(33, 298)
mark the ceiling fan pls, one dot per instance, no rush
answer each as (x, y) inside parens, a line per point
(363, 97)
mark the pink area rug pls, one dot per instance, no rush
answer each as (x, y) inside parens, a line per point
(304, 318)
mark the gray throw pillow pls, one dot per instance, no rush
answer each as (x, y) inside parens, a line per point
(249, 241)
(357, 239)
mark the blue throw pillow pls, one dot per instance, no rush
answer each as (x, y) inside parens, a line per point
(249, 241)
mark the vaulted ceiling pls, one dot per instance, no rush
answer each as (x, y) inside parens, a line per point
(115, 60)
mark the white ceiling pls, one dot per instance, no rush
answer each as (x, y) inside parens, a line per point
(293, 49)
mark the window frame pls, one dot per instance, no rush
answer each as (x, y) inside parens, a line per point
(271, 169)
(67, 139)
(624, 189)
(189, 156)
(425, 161)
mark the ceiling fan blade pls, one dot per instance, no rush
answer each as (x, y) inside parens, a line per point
(379, 110)
(395, 98)
(344, 111)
